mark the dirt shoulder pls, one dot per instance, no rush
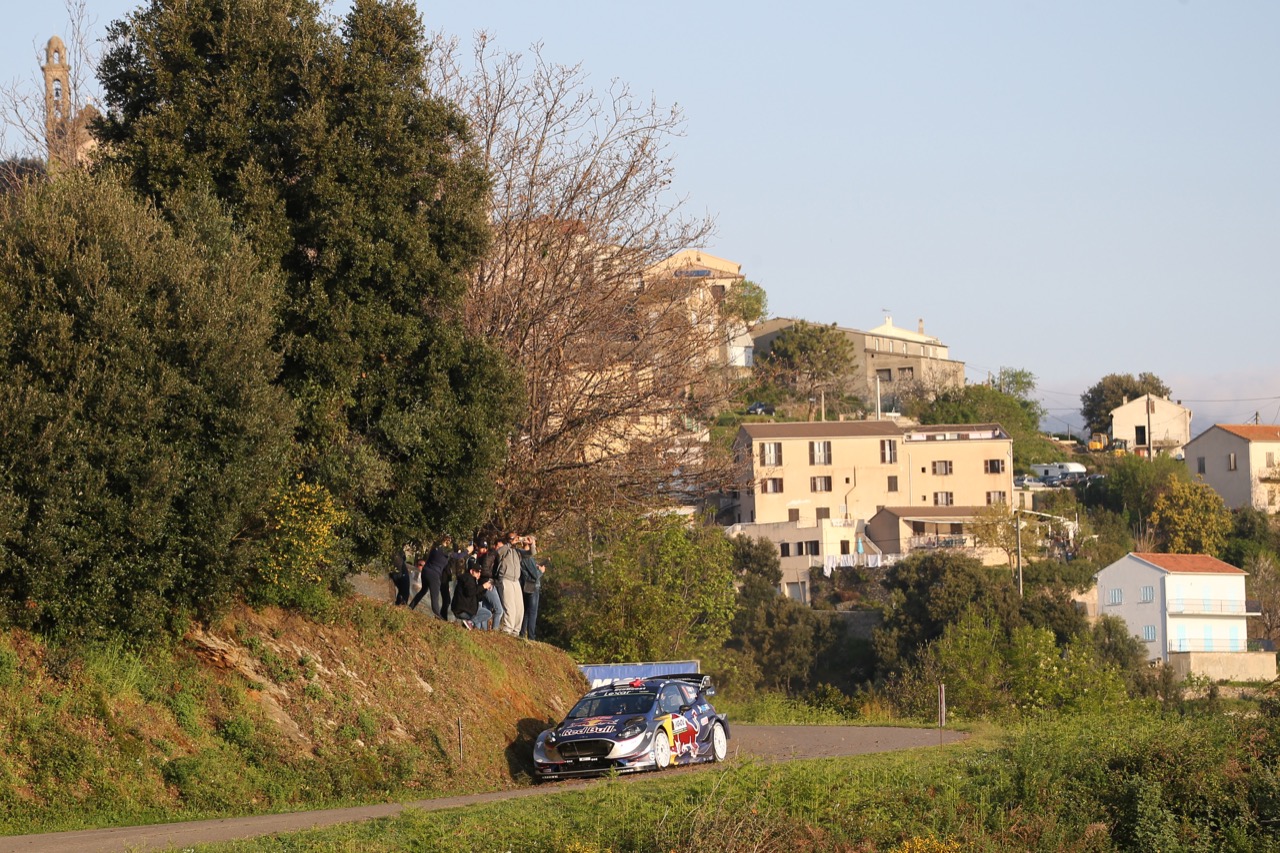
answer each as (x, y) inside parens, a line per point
(769, 743)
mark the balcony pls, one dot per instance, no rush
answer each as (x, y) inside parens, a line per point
(1269, 475)
(1213, 607)
(1216, 644)
(942, 540)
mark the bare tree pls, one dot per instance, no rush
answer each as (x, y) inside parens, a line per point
(619, 350)
(1264, 587)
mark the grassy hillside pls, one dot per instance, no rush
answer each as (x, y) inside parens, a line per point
(268, 711)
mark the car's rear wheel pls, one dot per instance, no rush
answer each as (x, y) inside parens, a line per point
(719, 742)
(661, 751)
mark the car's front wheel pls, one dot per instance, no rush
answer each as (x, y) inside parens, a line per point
(719, 742)
(661, 751)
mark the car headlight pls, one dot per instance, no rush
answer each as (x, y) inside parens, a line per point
(632, 728)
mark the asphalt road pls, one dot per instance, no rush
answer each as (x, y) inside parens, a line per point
(769, 743)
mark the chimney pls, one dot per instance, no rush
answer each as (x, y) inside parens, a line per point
(920, 325)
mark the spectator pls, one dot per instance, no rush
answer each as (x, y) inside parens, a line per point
(488, 562)
(432, 574)
(531, 585)
(468, 603)
(508, 576)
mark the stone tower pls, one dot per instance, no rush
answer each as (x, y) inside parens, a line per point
(65, 130)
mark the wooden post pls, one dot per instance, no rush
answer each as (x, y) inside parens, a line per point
(460, 740)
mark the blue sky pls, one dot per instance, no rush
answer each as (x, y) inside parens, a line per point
(1071, 188)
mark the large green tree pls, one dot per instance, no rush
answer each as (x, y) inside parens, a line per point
(361, 188)
(977, 404)
(1111, 391)
(141, 436)
(808, 359)
(650, 588)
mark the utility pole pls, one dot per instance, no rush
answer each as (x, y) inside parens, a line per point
(1017, 516)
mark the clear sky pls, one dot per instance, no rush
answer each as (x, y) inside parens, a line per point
(1074, 188)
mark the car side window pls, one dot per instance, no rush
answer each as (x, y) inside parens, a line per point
(690, 694)
(670, 700)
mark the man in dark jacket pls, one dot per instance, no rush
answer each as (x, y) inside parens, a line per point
(488, 562)
(432, 575)
(468, 605)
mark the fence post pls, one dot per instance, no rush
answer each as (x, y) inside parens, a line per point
(942, 705)
(460, 740)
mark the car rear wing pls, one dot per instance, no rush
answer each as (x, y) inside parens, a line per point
(702, 682)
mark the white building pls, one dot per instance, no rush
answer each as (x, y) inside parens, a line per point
(1152, 425)
(1189, 609)
(1240, 462)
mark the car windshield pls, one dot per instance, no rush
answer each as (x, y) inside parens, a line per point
(613, 705)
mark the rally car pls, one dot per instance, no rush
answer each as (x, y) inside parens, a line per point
(643, 724)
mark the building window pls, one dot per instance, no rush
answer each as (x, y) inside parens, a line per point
(823, 512)
(943, 499)
(942, 467)
(844, 546)
(893, 483)
(885, 374)
(819, 484)
(771, 453)
(1149, 633)
(819, 453)
(807, 549)
(994, 498)
(1231, 462)
(1199, 464)
(888, 451)
(1148, 594)
(793, 515)
(771, 485)
(1115, 596)
(993, 466)
(785, 549)
(906, 374)
(1271, 459)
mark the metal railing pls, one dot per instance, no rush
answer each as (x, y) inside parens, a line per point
(1217, 644)
(1212, 606)
(942, 540)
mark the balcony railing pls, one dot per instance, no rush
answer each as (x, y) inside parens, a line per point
(1217, 644)
(1214, 606)
(942, 540)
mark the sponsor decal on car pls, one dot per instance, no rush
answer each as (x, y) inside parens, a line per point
(591, 726)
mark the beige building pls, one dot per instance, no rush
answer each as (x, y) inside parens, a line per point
(1152, 425)
(866, 492)
(720, 277)
(890, 360)
(1241, 462)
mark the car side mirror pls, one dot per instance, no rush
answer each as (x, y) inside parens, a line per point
(684, 708)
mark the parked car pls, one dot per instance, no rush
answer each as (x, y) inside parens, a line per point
(626, 727)
(760, 409)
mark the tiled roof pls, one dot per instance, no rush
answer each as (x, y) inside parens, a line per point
(821, 429)
(1199, 564)
(1252, 432)
(922, 513)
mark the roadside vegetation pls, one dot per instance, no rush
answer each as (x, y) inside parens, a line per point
(1134, 778)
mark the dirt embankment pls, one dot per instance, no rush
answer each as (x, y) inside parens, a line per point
(269, 710)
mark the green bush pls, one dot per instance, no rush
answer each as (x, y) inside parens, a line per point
(138, 420)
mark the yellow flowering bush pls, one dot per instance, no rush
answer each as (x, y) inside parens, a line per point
(302, 522)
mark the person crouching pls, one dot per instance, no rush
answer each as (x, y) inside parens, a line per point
(467, 605)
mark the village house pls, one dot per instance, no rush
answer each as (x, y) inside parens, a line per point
(1190, 611)
(832, 494)
(1240, 463)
